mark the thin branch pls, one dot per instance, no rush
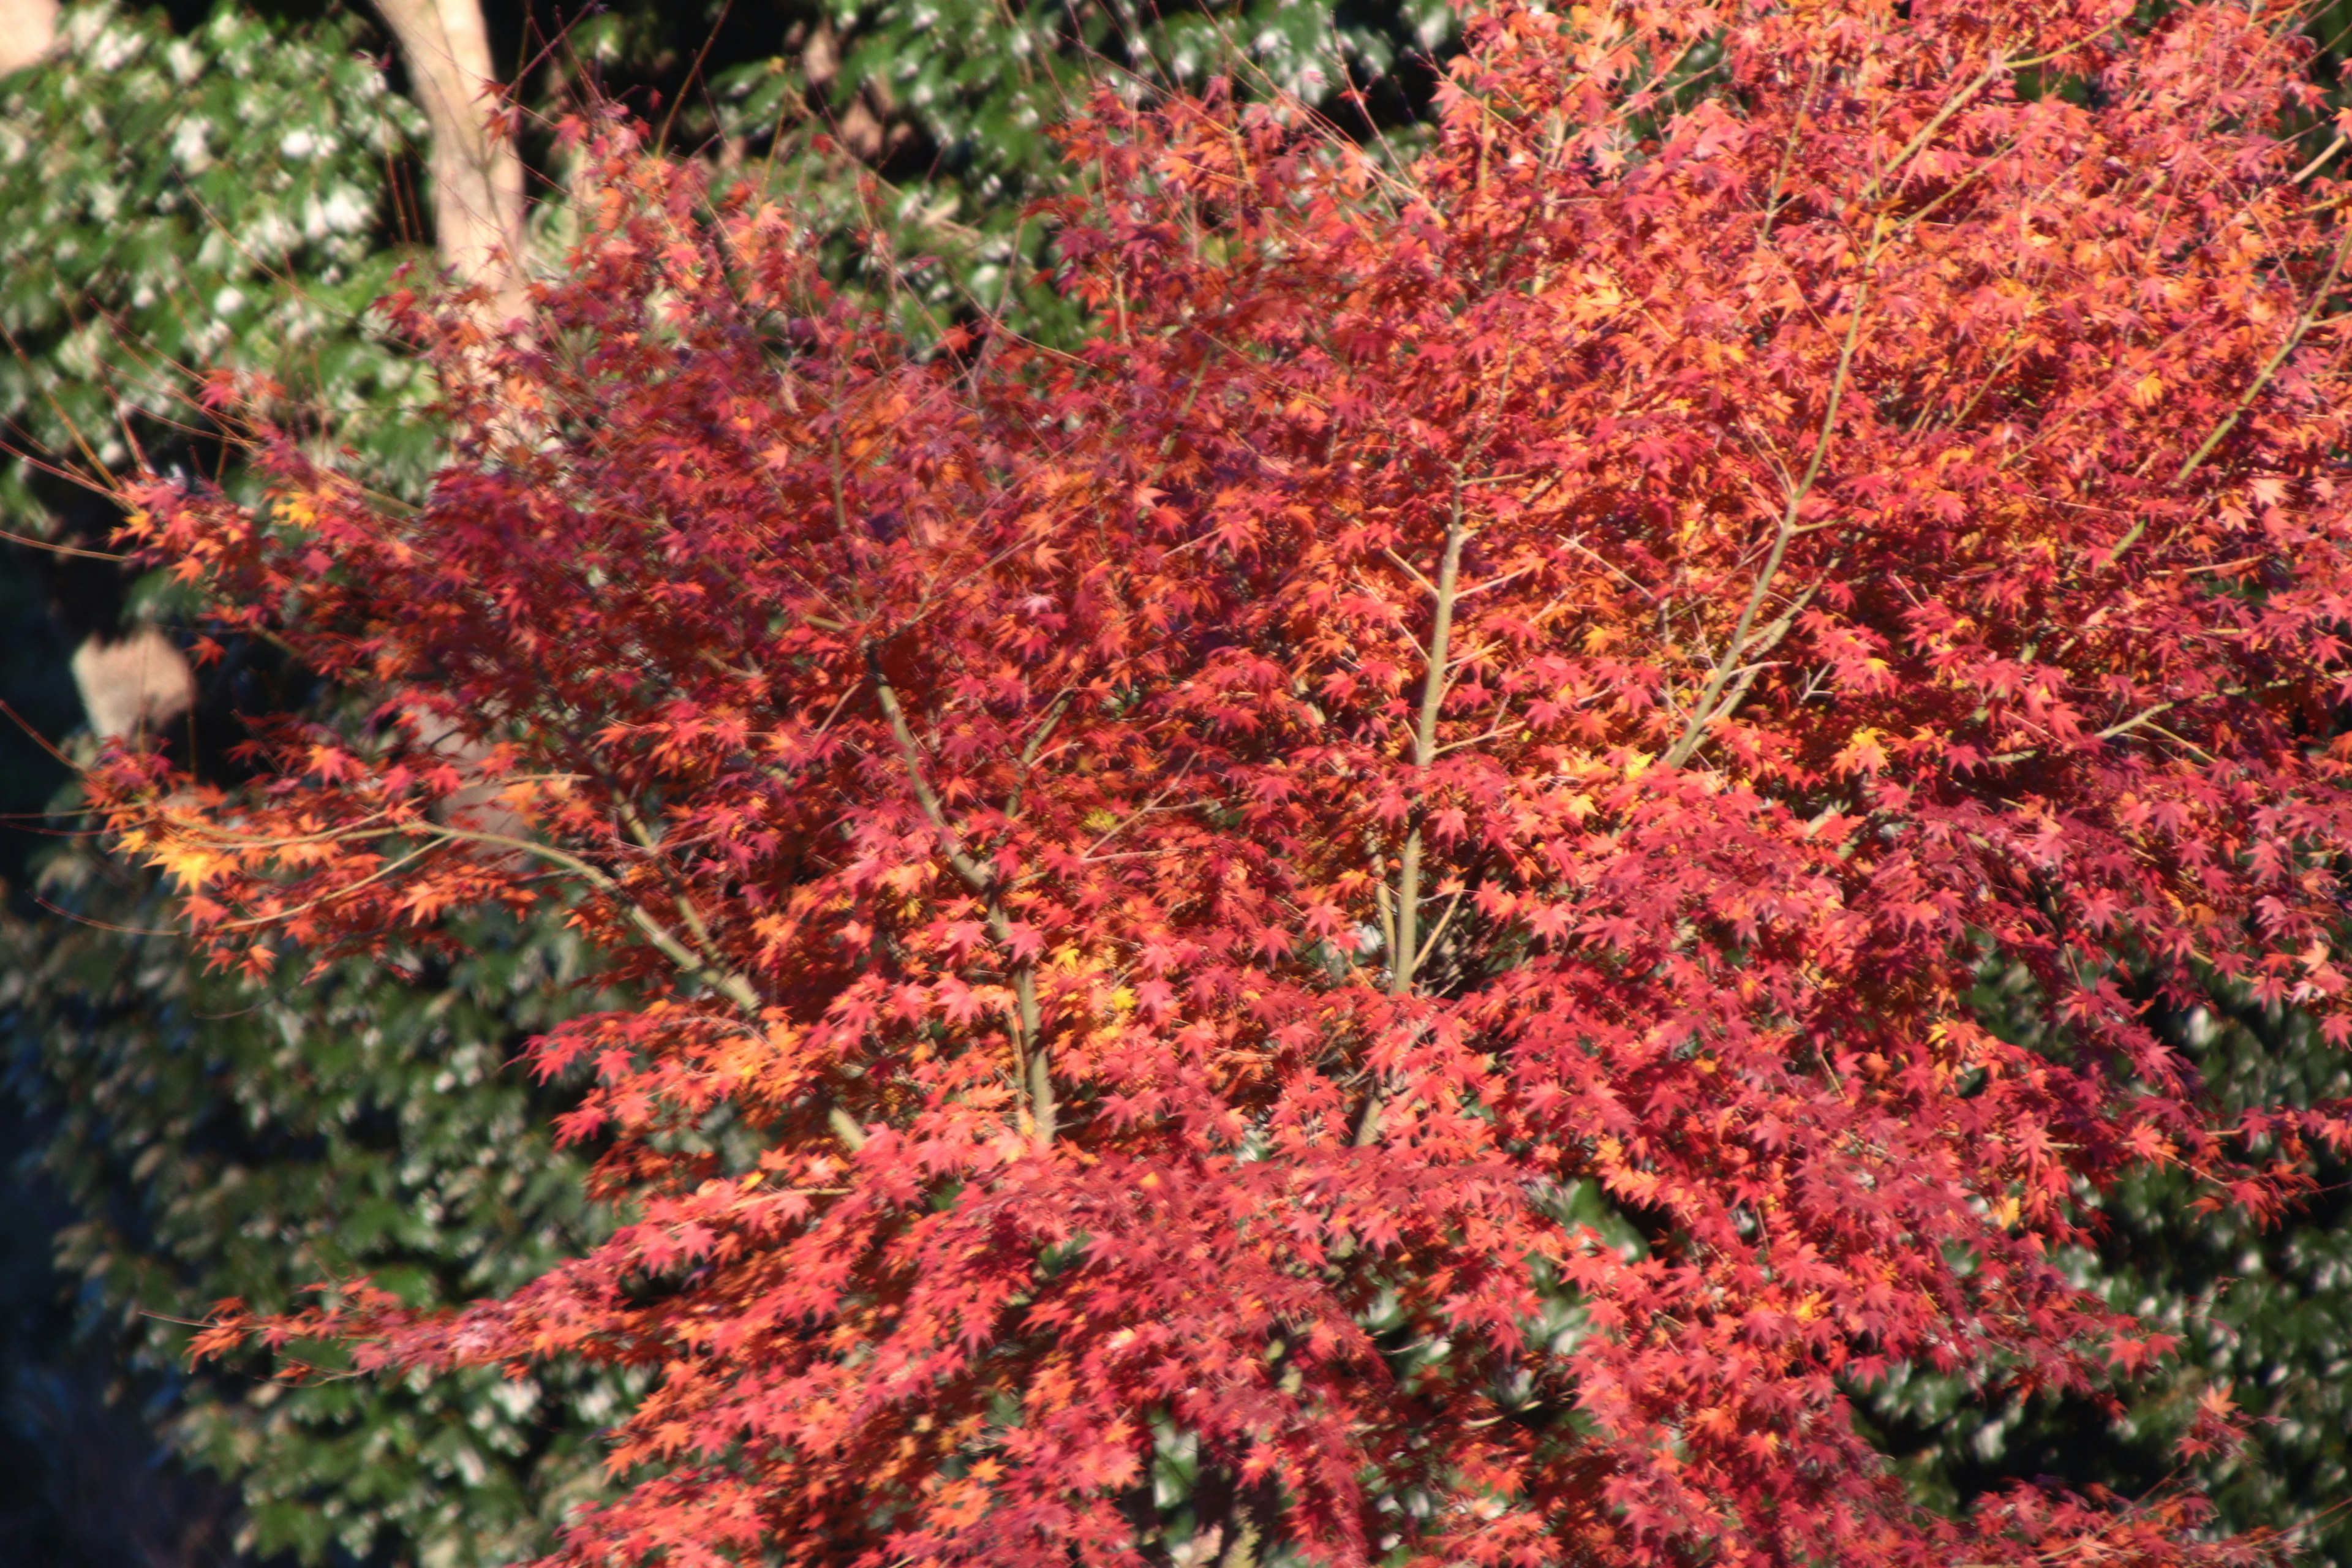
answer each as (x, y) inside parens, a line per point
(1033, 746)
(1404, 910)
(727, 982)
(1444, 920)
(2143, 720)
(2318, 163)
(1409, 570)
(1495, 734)
(1705, 710)
(30, 543)
(1496, 581)
(1951, 106)
(1140, 812)
(2230, 422)
(1030, 1059)
(2137, 720)
(976, 877)
(283, 915)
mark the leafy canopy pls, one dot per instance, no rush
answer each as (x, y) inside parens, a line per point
(228, 196)
(1167, 880)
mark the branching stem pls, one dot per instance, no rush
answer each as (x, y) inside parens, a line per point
(1404, 910)
(1031, 1065)
(727, 982)
(1712, 704)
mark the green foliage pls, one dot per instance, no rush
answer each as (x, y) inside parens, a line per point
(177, 205)
(986, 83)
(224, 199)
(955, 101)
(220, 1142)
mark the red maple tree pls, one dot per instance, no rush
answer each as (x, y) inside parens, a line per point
(1172, 884)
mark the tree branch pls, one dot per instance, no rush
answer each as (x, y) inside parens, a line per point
(975, 876)
(1706, 711)
(2230, 422)
(1031, 1065)
(727, 982)
(1404, 955)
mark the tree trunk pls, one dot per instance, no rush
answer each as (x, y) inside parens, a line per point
(477, 176)
(27, 28)
(137, 684)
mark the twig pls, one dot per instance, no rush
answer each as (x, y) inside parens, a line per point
(1706, 711)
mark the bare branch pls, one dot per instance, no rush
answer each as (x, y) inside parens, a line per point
(1030, 1059)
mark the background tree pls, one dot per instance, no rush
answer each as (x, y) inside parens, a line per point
(175, 202)
(2262, 1311)
(217, 1140)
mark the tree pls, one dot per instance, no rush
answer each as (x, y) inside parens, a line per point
(1163, 879)
(219, 1143)
(214, 1143)
(233, 194)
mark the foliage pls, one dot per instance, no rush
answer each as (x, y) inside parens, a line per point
(1162, 879)
(956, 102)
(217, 1143)
(178, 204)
(2266, 1319)
(220, 200)
(2263, 1313)
(226, 199)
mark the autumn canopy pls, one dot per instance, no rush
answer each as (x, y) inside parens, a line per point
(1374, 878)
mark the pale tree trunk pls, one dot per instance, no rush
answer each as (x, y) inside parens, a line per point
(477, 226)
(135, 686)
(477, 176)
(27, 28)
